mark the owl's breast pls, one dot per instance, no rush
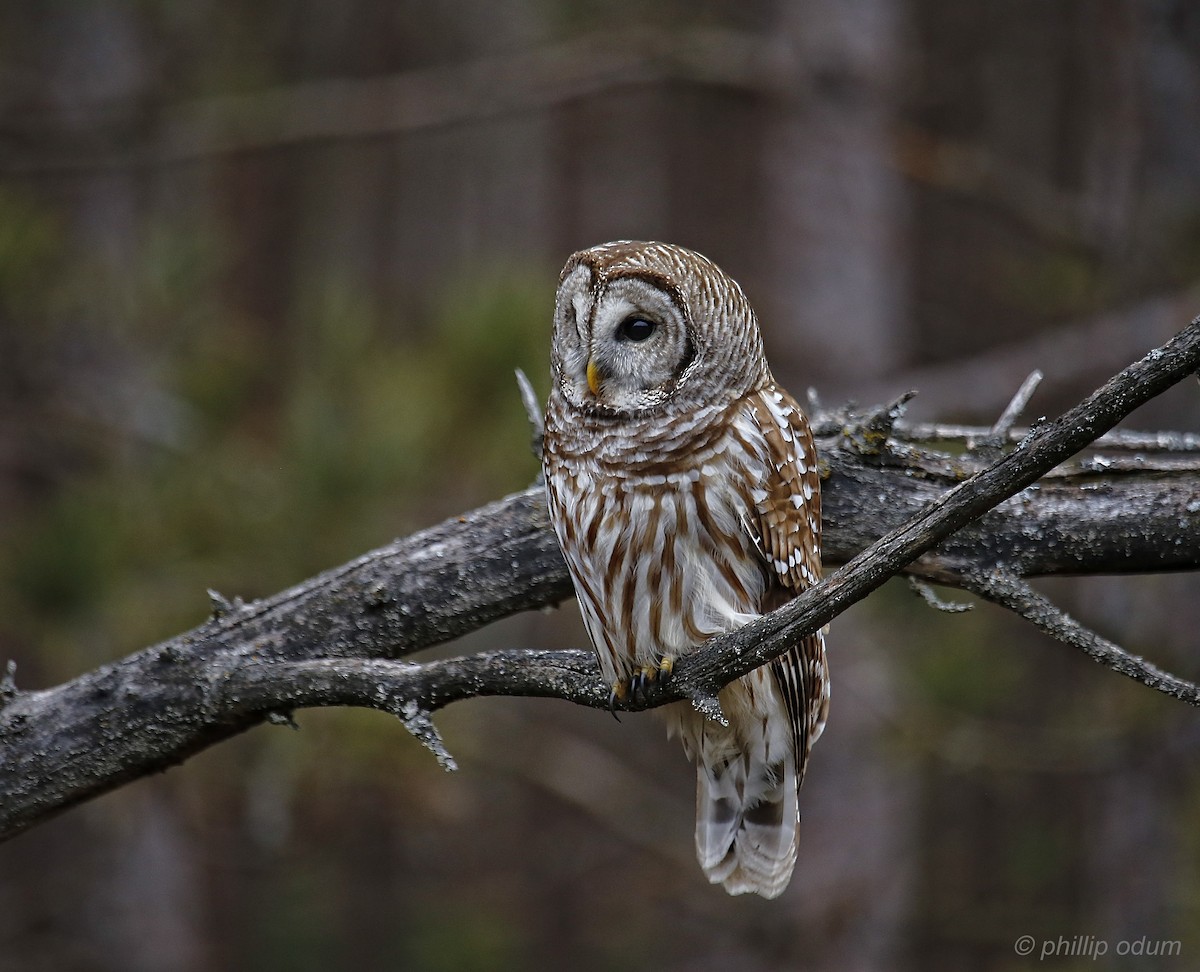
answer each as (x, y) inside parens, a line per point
(662, 553)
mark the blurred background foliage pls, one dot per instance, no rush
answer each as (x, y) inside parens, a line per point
(265, 273)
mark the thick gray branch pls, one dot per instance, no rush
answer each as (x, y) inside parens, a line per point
(336, 639)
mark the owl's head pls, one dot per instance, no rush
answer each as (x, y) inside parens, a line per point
(652, 327)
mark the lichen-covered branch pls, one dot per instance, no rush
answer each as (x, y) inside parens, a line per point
(341, 638)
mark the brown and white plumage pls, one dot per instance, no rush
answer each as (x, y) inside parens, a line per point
(682, 485)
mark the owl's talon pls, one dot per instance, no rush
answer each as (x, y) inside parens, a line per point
(642, 679)
(616, 694)
(666, 665)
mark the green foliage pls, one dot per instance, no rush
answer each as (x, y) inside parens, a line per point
(30, 247)
(280, 455)
(1059, 282)
(963, 670)
(957, 667)
(464, 941)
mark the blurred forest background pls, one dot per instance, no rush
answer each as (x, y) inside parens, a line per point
(265, 272)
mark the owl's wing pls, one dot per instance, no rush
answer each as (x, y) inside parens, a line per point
(788, 507)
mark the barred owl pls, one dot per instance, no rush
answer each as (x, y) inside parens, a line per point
(683, 488)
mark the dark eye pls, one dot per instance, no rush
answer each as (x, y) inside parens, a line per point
(635, 329)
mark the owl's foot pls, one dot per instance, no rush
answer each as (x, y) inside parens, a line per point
(638, 685)
(647, 675)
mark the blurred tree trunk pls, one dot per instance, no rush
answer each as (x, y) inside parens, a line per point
(838, 267)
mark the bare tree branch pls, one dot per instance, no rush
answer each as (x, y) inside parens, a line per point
(337, 638)
(1016, 407)
(1012, 592)
(930, 597)
(1122, 440)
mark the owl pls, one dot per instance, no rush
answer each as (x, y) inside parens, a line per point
(683, 488)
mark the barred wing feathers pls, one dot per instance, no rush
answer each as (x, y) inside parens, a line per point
(788, 535)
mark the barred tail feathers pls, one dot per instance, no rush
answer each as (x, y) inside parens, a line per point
(746, 824)
(747, 810)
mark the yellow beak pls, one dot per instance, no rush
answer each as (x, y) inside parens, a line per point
(593, 377)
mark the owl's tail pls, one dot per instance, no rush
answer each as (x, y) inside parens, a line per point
(746, 823)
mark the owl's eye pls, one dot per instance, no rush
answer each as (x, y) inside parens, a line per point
(635, 329)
